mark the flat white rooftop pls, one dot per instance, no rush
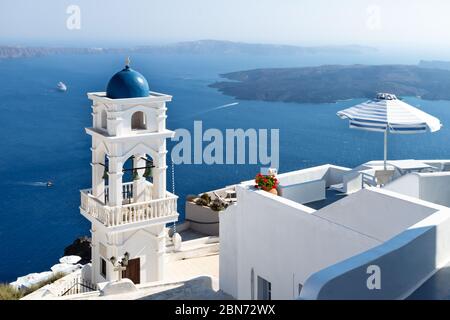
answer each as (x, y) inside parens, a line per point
(376, 213)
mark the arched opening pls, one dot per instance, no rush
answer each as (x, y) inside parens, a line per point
(105, 178)
(138, 121)
(137, 170)
(129, 175)
(104, 120)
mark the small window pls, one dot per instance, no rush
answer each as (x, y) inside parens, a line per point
(138, 121)
(264, 289)
(103, 267)
(252, 284)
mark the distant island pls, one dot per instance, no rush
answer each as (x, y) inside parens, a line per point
(189, 47)
(331, 83)
(230, 47)
(27, 52)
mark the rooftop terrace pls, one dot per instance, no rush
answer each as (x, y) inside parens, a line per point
(321, 186)
(397, 218)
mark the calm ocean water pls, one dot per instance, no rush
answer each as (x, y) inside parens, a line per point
(42, 138)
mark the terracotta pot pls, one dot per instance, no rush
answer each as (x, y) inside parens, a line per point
(272, 191)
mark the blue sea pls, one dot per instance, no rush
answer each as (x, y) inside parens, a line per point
(42, 137)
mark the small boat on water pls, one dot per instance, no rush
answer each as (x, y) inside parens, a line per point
(49, 183)
(61, 86)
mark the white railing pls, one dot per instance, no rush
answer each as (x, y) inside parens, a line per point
(368, 180)
(128, 213)
(76, 286)
(93, 206)
(143, 211)
(72, 283)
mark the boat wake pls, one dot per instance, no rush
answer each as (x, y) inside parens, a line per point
(225, 106)
(228, 105)
(34, 184)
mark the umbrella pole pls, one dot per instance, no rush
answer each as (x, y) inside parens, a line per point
(385, 148)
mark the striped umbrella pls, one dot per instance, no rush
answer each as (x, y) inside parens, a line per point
(386, 114)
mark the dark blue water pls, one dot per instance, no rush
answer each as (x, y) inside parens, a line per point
(42, 138)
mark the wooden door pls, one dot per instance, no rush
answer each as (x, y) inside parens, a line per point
(133, 271)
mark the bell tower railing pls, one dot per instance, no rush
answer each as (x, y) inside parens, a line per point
(129, 211)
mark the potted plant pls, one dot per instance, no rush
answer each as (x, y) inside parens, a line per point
(267, 183)
(204, 200)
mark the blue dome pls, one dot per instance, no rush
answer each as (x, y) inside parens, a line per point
(127, 83)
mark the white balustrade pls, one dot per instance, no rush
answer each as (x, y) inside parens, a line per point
(129, 213)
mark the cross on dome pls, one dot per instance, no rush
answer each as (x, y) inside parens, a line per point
(127, 83)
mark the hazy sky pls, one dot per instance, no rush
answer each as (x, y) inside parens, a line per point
(306, 22)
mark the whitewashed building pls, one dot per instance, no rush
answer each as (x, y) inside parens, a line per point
(336, 233)
(128, 218)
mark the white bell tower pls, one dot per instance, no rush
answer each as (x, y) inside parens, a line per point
(128, 218)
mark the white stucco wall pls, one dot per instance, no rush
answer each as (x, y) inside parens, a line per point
(147, 244)
(330, 173)
(282, 241)
(433, 187)
(309, 185)
(407, 185)
(228, 250)
(404, 263)
(304, 192)
(285, 242)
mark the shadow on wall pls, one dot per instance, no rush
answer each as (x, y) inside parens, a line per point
(390, 271)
